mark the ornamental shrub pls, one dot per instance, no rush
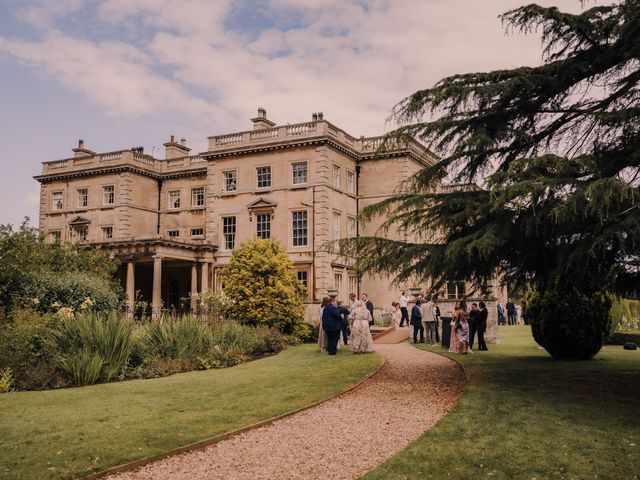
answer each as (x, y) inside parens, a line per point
(261, 288)
(28, 348)
(570, 325)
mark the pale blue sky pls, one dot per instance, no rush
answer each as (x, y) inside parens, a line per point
(123, 73)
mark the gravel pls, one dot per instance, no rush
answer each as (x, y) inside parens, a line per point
(339, 439)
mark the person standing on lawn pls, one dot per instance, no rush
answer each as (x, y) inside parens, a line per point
(416, 321)
(436, 315)
(429, 321)
(500, 310)
(481, 327)
(403, 309)
(473, 323)
(344, 312)
(332, 325)
(361, 339)
(511, 313)
(369, 304)
(322, 336)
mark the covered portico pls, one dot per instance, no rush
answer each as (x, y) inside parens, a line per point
(164, 272)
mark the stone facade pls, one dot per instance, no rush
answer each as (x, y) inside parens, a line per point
(175, 221)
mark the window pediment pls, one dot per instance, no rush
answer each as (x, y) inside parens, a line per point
(79, 221)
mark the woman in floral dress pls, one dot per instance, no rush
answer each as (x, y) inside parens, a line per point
(360, 339)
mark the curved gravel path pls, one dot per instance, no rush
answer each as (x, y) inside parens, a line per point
(341, 438)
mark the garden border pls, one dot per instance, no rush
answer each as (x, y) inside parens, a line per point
(126, 467)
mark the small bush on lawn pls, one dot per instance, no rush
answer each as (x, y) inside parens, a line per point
(28, 348)
(620, 338)
(105, 342)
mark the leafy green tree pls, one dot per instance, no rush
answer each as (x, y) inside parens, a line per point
(543, 163)
(261, 288)
(37, 274)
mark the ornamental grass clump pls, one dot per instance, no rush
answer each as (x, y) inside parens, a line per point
(88, 342)
(176, 339)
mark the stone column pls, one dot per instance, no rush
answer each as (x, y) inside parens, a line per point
(194, 286)
(131, 288)
(156, 298)
(204, 277)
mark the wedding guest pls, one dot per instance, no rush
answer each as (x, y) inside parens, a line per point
(369, 304)
(462, 329)
(361, 339)
(453, 343)
(473, 323)
(322, 336)
(436, 314)
(500, 310)
(344, 313)
(511, 313)
(416, 321)
(403, 309)
(482, 327)
(429, 321)
(332, 325)
(396, 314)
(352, 299)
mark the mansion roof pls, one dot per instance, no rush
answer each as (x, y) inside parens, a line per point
(317, 132)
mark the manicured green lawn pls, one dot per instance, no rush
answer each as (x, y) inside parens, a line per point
(527, 416)
(73, 432)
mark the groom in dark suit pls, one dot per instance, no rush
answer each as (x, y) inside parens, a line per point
(332, 325)
(369, 304)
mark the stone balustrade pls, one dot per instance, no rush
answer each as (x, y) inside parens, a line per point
(123, 157)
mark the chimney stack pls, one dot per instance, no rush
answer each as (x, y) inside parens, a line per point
(314, 117)
(320, 116)
(261, 122)
(80, 151)
(173, 149)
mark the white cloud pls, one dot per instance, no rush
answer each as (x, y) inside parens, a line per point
(351, 59)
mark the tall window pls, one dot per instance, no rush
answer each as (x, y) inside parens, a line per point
(351, 227)
(264, 176)
(303, 278)
(351, 184)
(230, 180)
(337, 218)
(336, 176)
(300, 228)
(81, 233)
(57, 201)
(455, 290)
(107, 233)
(353, 284)
(263, 225)
(197, 197)
(83, 197)
(229, 232)
(299, 173)
(337, 282)
(55, 236)
(174, 199)
(108, 195)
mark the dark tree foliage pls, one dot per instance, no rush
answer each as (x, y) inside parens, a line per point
(543, 168)
(549, 157)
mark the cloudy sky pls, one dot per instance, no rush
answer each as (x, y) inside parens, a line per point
(123, 73)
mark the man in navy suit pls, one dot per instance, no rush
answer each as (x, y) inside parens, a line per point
(332, 325)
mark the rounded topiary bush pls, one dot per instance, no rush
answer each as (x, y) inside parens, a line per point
(570, 325)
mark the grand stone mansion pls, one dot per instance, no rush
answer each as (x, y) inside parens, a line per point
(175, 221)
